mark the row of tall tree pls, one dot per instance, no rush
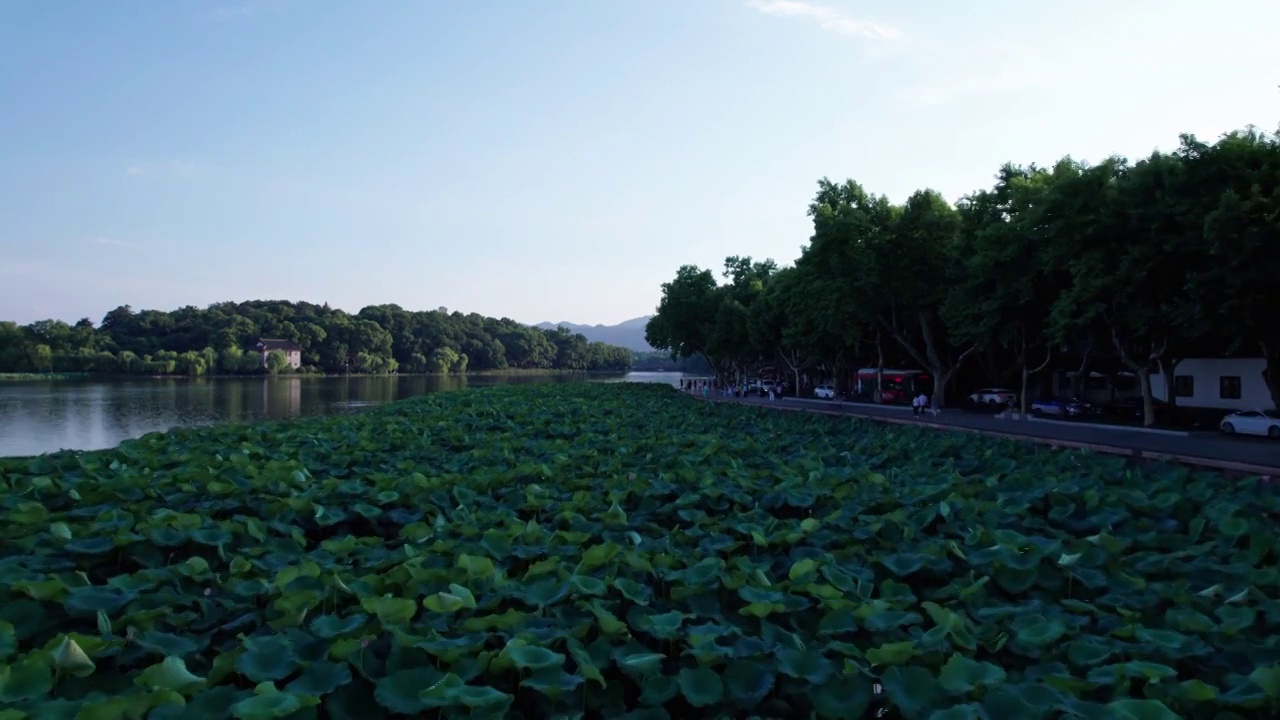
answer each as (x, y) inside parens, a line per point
(1144, 263)
(378, 339)
(661, 361)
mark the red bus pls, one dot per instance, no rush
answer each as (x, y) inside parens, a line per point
(898, 386)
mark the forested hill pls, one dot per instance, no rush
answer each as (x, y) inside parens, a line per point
(378, 339)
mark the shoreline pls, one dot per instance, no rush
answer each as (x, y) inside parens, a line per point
(515, 372)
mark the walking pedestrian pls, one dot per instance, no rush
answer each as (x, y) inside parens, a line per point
(919, 404)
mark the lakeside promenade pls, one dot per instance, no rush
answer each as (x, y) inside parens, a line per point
(1247, 455)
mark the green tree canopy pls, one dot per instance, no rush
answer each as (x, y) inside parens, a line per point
(378, 339)
(1140, 264)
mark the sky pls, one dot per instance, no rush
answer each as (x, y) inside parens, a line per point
(552, 160)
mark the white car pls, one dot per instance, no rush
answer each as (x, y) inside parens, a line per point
(993, 397)
(824, 392)
(1252, 422)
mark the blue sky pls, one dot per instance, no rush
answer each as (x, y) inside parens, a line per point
(551, 160)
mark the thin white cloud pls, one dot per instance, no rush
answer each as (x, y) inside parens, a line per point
(158, 168)
(227, 12)
(828, 18)
(240, 10)
(112, 242)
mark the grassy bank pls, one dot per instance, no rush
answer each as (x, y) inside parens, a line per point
(535, 373)
(43, 376)
(514, 372)
(599, 549)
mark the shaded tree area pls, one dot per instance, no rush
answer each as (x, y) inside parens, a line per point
(1140, 263)
(660, 361)
(219, 338)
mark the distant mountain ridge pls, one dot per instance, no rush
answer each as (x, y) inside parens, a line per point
(629, 334)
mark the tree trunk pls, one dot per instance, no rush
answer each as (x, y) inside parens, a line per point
(1022, 392)
(1027, 373)
(836, 371)
(1082, 376)
(940, 381)
(875, 393)
(1170, 395)
(716, 366)
(987, 360)
(932, 358)
(1022, 365)
(1143, 369)
(793, 362)
(1271, 354)
(1148, 408)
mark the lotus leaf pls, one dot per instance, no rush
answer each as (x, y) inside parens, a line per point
(747, 682)
(846, 697)
(266, 658)
(1133, 709)
(390, 610)
(701, 686)
(320, 679)
(402, 691)
(895, 653)
(268, 702)
(622, 551)
(658, 689)
(452, 691)
(170, 674)
(165, 644)
(70, 658)
(532, 657)
(330, 626)
(962, 675)
(448, 602)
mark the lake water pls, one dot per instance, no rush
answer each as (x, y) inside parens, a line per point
(46, 416)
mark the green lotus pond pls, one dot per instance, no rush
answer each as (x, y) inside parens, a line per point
(608, 551)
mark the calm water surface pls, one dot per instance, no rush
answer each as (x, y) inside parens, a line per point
(39, 417)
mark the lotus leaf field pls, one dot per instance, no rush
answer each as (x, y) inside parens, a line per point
(608, 551)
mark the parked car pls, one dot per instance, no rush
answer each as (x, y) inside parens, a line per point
(1064, 407)
(1130, 408)
(992, 399)
(1252, 422)
(762, 387)
(825, 392)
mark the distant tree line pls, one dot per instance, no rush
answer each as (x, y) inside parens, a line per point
(1140, 264)
(219, 339)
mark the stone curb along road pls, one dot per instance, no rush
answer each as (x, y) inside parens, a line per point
(1235, 455)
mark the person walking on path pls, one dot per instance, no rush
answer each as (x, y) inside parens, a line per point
(919, 404)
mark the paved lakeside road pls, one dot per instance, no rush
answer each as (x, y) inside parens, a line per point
(1241, 454)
